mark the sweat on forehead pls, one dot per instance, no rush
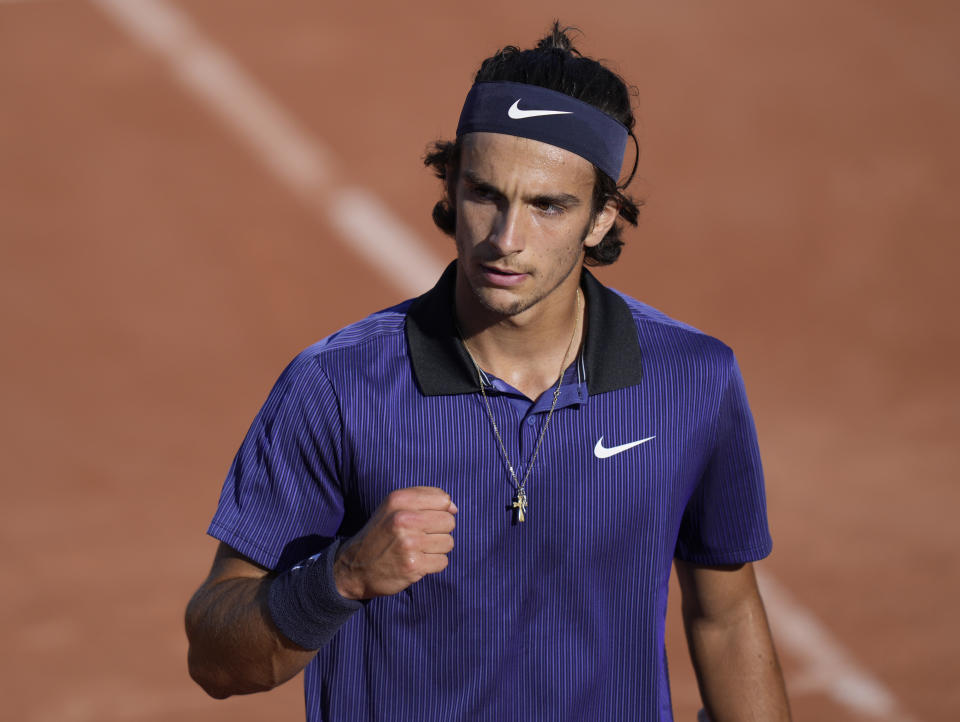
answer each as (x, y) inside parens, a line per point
(530, 111)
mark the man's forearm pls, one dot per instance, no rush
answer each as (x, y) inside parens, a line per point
(234, 646)
(234, 621)
(737, 667)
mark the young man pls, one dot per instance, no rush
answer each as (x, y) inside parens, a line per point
(467, 506)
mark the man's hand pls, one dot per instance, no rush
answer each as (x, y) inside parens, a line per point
(408, 537)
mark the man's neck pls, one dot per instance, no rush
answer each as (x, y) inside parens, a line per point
(531, 349)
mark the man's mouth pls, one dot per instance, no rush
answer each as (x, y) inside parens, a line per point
(502, 276)
(501, 271)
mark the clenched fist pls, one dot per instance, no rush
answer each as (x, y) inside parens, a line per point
(408, 536)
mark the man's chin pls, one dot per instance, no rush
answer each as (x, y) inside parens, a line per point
(500, 302)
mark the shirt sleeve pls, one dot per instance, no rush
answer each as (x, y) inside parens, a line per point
(282, 499)
(725, 521)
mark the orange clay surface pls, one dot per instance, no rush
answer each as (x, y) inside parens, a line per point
(800, 166)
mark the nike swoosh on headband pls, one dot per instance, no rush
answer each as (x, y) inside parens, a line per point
(588, 131)
(601, 452)
(517, 114)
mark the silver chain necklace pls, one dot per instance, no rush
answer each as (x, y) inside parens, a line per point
(519, 503)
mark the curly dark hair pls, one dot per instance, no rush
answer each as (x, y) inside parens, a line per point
(555, 64)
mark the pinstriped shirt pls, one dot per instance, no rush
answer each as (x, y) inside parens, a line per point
(560, 617)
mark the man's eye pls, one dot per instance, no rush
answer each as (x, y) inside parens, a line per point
(484, 194)
(549, 207)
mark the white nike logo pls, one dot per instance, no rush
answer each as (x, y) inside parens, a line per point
(601, 452)
(518, 114)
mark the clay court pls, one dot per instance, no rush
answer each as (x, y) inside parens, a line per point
(192, 191)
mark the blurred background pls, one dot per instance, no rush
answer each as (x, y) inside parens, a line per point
(191, 191)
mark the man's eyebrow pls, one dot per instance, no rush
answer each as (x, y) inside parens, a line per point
(475, 180)
(567, 200)
(561, 199)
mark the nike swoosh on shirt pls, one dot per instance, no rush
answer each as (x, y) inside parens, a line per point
(517, 114)
(602, 452)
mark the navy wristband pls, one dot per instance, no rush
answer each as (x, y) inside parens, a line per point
(305, 604)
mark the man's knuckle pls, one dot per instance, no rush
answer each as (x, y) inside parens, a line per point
(406, 544)
(402, 520)
(394, 500)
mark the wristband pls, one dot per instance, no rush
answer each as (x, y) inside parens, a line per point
(305, 604)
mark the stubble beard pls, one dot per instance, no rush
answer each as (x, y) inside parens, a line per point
(519, 305)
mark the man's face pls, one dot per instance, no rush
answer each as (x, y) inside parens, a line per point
(524, 218)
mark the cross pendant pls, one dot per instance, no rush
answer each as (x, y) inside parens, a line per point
(520, 504)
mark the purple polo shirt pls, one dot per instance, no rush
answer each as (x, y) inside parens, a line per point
(560, 617)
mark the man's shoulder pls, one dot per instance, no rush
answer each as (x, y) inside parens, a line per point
(656, 325)
(372, 343)
(384, 326)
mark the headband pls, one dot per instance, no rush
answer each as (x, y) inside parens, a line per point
(531, 111)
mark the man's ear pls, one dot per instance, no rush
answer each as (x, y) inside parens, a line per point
(602, 222)
(451, 177)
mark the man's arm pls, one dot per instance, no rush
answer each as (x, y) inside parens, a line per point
(730, 644)
(235, 646)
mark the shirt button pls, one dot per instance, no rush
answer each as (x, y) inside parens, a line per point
(531, 421)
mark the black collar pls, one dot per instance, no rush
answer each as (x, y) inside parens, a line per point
(442, 366)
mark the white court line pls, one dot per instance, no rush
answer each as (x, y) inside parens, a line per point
(299, 161)
(827, 666)
(306, 167)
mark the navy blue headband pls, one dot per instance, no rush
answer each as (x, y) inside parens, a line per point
(530, 111)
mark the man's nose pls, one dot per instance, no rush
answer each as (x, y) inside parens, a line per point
(507, 234)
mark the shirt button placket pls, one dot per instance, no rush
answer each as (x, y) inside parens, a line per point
(528, 436)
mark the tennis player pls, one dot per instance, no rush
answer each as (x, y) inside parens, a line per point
(467, 506)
